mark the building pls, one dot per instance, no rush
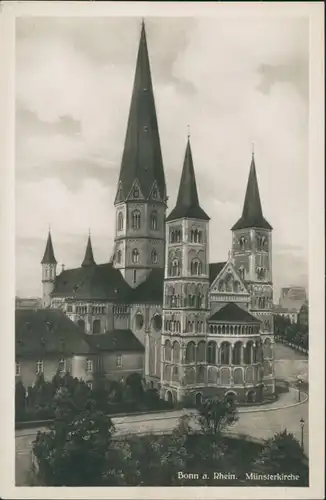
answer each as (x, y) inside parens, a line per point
(293, 297)
(48, 342)
(291, 314)
(206, 328)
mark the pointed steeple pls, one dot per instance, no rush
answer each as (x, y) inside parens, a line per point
(142, 157)
(252, 214)
(89, 257)
(187, 201)
(48, 257)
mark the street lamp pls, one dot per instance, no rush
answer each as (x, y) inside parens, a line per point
(299, 388)
(302, 426)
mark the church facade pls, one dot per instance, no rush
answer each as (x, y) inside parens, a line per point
(206, 328)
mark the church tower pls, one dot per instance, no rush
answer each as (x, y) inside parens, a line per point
(49, 267)
(141, 194)
(252, 253)
(186, 284)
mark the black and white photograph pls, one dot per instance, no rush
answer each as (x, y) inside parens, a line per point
(162, 218)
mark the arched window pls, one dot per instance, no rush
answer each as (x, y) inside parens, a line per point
(135, 219)
(120, 221)
(190, 352)
(119, 256)
(201, 354)
(135, 256)
(154, 256)
(242, 272)
(221, 286)
(97, 326)
(200, 374)
(175, 374)
(175, 268)
(211, 353)
(196, 267)
(139, 320)
(236, 354)
(167, 351)
(238, 376)
(154, 220)
(225, 353)
(176, 352)
(248, 353)
(157, 322)
(167, 373)
(242, 243)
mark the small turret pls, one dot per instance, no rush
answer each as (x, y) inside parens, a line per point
(89, 257)
(49, 268)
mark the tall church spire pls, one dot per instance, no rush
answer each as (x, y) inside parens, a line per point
(252, 214)
(142, 158)
(89, 257)
(48, 257)
(187, 202)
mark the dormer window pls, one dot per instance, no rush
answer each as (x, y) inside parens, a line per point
(154, 194)
(135, 192)
(145, 128)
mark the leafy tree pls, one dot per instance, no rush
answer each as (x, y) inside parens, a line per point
(216, 415)
(73, 452)
(282, 453)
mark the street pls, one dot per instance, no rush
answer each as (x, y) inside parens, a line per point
(260, 423)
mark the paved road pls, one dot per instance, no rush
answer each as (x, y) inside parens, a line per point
(258, 424)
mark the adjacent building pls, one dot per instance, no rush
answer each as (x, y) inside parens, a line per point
(197, 329)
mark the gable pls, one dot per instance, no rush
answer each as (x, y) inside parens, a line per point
(135, 192)
(228, 281)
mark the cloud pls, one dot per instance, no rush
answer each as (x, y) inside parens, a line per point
(234, 81)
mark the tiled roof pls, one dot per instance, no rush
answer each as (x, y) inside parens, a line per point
(252, 214)
(187, 201)
(118, 340)
(151, 290)
(48, 257)
(233, 313)
(92, 282)
(47, 331)
(142, 156)
(214, 270)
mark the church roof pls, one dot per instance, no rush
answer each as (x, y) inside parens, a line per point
(252, 214)
(48, 257)
(151, 290)
(89, 257)
(118, 340)
(92, 282)
(187, 201)
(142, 156)
(232, 313)
(47, 331)
(104, 282)
(214, 270)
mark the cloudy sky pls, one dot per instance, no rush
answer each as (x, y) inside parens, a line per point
(233, 80)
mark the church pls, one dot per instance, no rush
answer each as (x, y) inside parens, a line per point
(206, 328)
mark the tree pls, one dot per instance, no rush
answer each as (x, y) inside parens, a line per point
(20, 401)
(73, 452)
(216, 415)
(282, 453)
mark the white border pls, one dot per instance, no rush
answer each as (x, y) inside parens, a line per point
(8, 12)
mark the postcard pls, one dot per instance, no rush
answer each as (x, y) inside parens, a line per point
(163, 240)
